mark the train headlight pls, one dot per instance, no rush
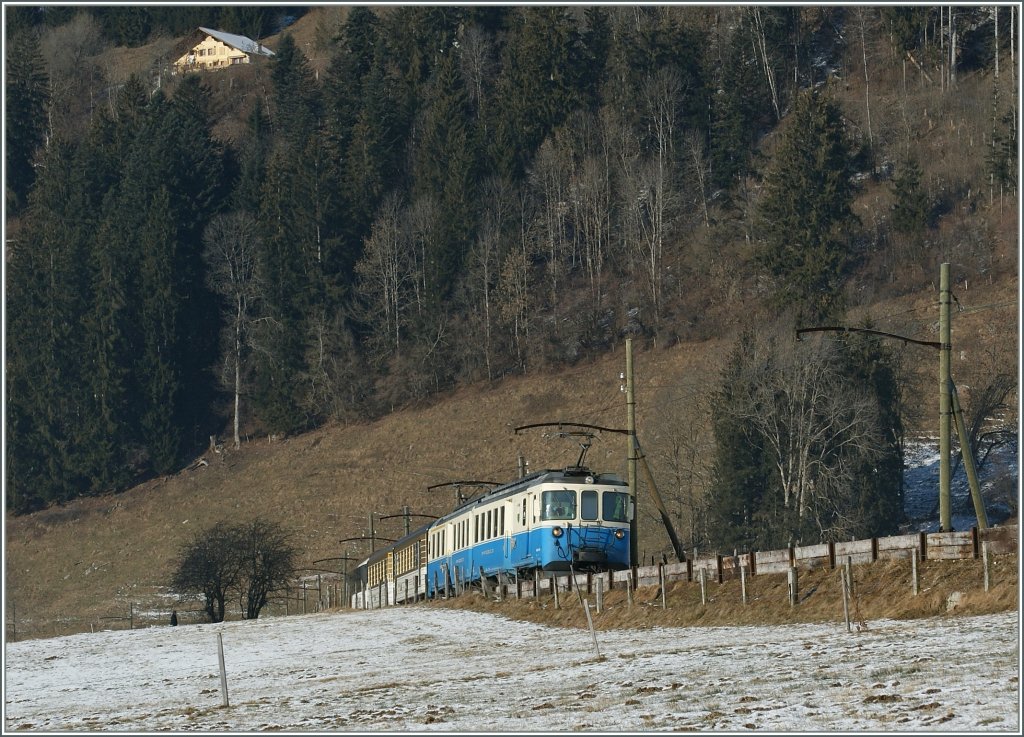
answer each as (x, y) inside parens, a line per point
(620, 533)
(556, 531)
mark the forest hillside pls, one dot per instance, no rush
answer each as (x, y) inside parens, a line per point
(359, 265)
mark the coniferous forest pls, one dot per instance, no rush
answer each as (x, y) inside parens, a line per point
(454, 195)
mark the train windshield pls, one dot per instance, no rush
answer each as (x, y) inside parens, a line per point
(616, 506)
(558, 505)
(588, 504)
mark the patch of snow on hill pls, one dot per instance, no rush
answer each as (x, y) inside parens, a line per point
(921, 486)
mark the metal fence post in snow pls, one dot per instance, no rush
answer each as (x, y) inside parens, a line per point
(590, 622)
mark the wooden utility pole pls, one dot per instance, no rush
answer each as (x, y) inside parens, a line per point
(945, 410)
(669, 527)
(968, 457)
(631, 454)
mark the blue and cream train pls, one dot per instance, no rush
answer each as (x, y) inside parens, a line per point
(553, 520)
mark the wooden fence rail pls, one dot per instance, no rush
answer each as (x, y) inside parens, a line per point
(719, 568)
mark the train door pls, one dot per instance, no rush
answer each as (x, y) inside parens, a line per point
(508, 516)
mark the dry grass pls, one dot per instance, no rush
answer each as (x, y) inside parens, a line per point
(882, 591)
(66, 567)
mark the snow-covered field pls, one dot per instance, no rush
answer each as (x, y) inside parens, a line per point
(431, 669)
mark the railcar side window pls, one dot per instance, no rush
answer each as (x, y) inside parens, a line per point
(558, 505)
(616, 506)
(588, 504)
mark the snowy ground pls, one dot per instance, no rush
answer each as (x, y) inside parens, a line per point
(431, 669)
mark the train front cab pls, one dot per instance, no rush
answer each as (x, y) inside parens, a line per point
(583, 529)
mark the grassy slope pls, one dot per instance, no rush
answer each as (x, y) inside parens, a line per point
(68, 566)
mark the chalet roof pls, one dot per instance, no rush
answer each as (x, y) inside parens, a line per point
(242, 43)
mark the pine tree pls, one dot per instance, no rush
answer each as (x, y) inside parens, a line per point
(284, 308)
(105, 429)
(877, 499)
(737, 113)
(47, 293)
(542, 64)
(447, 173)
(910, 212)
(742, 482)
(159, 353)
(806, 210)
(26, 98)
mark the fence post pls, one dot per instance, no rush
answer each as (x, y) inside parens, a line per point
(131, 615)
(554, 588)
(793, 594)
(223, 672)
(915, 584)
(743, 584)
(483, 583)
(661, 577)
(703, 587)
(600, 592)
(590, 623)
(849, 575)
(984, 561)
(629, 591)
(844, 583)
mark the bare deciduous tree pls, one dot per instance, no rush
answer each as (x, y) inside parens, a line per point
(253, 559)
(817, 428)
(682, 454)
(231, 242)
(387, 275)
(208, 568)
(267, 563)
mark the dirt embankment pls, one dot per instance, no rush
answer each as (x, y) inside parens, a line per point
(881, 590)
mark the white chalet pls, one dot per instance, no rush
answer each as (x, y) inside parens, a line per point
(210, 50)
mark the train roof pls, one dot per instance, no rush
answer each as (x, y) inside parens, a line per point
(572, 475)
(387, 547)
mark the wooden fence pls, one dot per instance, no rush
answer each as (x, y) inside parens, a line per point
(718, 568)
